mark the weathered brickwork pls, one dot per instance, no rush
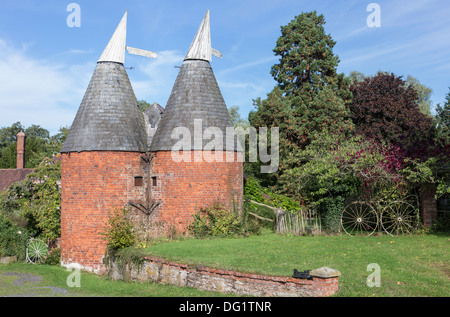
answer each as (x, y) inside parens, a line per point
(184, 187)
(93, 184)
(428, 204)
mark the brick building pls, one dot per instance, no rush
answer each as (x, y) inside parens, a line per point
(116, 156)
(101, 157)
(201, 177)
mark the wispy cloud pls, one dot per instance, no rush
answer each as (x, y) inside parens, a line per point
(372, 53)
(242, 93)
(156, 78)
(400, 13)
(74, 51)
(264, 60)
(35, 92)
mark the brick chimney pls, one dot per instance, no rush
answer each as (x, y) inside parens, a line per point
(21, 150)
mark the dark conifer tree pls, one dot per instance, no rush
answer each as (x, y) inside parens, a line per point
(443, 119)
(310, 96)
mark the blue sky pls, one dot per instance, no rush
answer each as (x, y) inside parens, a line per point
(45, 65)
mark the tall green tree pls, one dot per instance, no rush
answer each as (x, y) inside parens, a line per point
(8, 134)
(39, 144)
(307, 62)
(236, 118)
(35, 151)
(443, 135)
(423, 94)
(310, 95)
(443, 119)
(356, 77)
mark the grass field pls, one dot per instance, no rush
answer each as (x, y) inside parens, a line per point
(39, 280)
(410, 266)
(416, 265)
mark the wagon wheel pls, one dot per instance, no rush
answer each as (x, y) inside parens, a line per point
(359, 218)
(37, 250)
(398, 218)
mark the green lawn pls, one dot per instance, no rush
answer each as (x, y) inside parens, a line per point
(416, 265)
(411, 266)
(39, 280)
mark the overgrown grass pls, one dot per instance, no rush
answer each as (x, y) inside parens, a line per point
(413, 265)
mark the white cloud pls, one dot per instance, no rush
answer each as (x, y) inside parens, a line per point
(242, 93)
(157, 76)
(35, 92)
(262, 61)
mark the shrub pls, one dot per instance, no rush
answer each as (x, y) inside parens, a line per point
(119, 230)
(254, 191)
(442, 223)
(331, 210)
(334, 168)
(215, 221)
(54, 257)
(37, 201)
(13, 239)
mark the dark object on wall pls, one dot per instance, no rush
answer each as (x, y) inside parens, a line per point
(301, 275)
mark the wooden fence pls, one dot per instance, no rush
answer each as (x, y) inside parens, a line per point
(296, 223)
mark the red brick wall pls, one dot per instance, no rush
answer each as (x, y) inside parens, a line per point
(184, 187)
(428, 204)
(93, 184)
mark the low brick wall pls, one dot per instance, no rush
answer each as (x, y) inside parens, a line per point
(323, 281)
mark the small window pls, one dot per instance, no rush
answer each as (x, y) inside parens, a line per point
(154, 181)
(138, 181)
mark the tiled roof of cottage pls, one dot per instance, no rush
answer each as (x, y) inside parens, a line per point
(109, 118)
(11, 176)
(195, 96)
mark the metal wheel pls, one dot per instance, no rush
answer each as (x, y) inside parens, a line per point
(398, 218)
(37, 250)
(359, 219)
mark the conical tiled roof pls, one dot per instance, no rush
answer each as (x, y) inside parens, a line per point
(195, 96)
(109, 118)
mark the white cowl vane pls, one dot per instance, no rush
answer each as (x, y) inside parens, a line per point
(201, 45)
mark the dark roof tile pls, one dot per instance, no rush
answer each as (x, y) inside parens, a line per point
(195, 95)
(109, 118)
